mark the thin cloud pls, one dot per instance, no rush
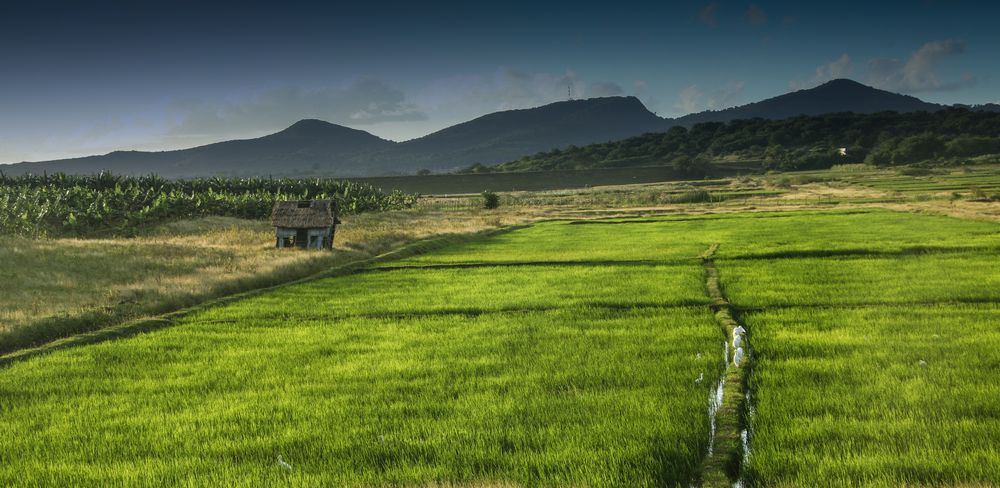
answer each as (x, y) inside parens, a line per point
(507, 89)
(689, 100)
(708, 15)
(605, 89)
(692, 99)
(919, 72)
(841, 67)
(362, 102)
(727, 96)
(756, 15)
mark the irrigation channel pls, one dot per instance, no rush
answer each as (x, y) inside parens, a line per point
(730, 405)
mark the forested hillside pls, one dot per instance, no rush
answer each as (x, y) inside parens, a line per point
(813, 142)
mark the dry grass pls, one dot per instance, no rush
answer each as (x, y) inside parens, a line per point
(55, 287)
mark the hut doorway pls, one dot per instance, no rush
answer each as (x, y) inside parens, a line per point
(301, 237)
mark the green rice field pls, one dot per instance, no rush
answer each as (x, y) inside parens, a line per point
(566, 353)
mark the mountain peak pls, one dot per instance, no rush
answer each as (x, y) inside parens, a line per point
(844, 83)
(851, 87)
(311, 127)
(321, 130)
(835, 96)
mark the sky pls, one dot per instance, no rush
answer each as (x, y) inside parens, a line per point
(83, 78)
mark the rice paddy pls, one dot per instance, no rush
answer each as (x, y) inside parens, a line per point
(878, 369)
(561, 354)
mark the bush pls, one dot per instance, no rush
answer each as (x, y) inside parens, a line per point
(692, 196)
(490, 200)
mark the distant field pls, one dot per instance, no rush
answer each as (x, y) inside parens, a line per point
(940, 181)
(560, 354)
(539, 180)
(982, 180)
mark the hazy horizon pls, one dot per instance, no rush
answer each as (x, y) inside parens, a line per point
(86, 80)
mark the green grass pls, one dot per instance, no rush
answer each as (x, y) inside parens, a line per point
(906, 279)
(651, 240)
(476, 290)
(562, 354)
(876, 369)
(388, 377)
(745, 235)
(562, 397)
(851, 232)
(842, 398)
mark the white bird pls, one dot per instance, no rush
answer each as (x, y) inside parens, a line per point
(700, 377)
(738, 356)
(283, 464)
(698, 356)
(922, 363)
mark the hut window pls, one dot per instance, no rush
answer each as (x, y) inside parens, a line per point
(304, 203)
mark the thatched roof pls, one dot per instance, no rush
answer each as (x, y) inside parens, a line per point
(304, 214)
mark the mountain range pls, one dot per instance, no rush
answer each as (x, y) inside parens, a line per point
(315, 147)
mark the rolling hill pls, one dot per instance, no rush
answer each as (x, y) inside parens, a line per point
(317, 147)
(314, 147)
(305, 145)
(507, 135)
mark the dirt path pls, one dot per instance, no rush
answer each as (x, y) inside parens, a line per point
(722, 464)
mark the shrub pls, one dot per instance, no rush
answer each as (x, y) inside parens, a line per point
(692, 196)
(490, 200)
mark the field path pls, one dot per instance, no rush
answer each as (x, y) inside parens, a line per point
(721, 466)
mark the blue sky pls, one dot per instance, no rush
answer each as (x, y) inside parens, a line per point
(88, 79)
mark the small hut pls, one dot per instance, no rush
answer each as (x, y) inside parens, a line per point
(308, 224)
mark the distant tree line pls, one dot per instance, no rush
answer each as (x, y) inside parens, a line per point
(804, 142)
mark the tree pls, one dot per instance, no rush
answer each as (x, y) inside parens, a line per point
(919, 148)
(775, 157)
